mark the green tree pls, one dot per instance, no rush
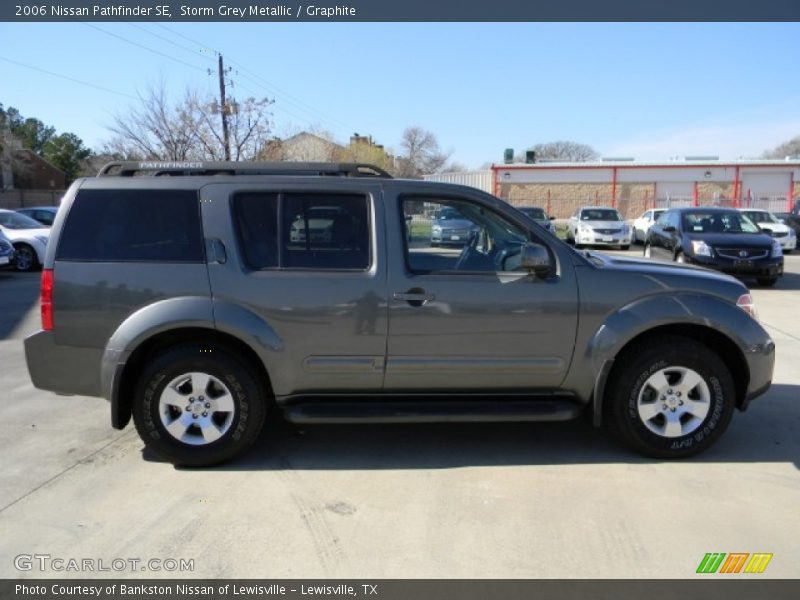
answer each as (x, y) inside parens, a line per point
(66, 151)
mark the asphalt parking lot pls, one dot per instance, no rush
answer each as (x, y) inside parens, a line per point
(470, 500)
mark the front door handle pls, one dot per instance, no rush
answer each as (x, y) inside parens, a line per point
(414, 296)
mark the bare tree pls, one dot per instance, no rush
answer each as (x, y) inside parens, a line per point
(790, 148)
(189, 129)
(421, 153)
(564, 150)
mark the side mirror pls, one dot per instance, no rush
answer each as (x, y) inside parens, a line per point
(552, 218)
(668, 229)
(536, 259)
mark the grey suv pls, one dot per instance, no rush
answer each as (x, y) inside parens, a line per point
(193, 296)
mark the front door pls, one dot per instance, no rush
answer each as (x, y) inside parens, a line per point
(463, 315)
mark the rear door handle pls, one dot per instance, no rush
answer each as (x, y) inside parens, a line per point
(415, 297)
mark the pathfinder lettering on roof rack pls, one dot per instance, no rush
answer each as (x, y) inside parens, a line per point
(170, 165)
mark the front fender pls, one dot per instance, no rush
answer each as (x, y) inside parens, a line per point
(651, 312)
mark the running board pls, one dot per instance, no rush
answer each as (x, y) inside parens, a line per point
(432, 411)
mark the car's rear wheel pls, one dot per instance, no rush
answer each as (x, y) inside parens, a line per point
(670, 399)
(198, 406)
(26, 258)
(767, 281)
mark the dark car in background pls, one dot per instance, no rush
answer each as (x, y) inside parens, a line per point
(791, 220)
(538, 215)
(450, 227)
(724, 239)
(44, 214)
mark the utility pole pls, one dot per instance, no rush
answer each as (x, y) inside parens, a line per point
(223, 110)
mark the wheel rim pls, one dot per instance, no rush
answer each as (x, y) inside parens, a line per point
(674, 402)
(196, 408)
(24, 259)
(647, 251)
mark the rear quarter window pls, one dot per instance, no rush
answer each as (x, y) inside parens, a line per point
(133, 226)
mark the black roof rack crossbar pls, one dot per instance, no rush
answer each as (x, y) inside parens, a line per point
(179, 168)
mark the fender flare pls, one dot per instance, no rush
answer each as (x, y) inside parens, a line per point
(649, 313)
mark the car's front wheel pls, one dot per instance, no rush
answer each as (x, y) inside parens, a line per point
(197, 405)
(671, 398)
(26, 258)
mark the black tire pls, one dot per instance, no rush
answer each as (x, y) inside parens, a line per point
(626, 247)
(249, 401)
(767, 281)
(26, 259)
(630, 377)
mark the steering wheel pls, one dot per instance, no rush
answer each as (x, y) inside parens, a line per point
(467, 251)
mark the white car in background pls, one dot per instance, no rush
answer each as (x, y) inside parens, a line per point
(598, 226)
(643, 224)
(781, 232)
(29, 238)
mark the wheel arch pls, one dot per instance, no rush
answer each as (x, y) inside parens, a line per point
(727, 349)
(127, 373)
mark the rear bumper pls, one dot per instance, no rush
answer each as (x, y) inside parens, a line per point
(62, 369)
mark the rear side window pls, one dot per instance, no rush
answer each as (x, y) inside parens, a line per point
(303, 231)
(133, 226)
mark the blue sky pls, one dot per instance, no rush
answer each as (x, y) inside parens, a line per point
(651, 91)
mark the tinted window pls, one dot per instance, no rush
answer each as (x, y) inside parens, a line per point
(534, 213)
(314, 231)
(133, 225)
(321, 231)
(718, 222)
(256, 217)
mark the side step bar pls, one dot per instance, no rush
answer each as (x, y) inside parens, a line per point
(432, 411)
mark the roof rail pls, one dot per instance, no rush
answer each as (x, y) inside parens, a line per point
(180, 168)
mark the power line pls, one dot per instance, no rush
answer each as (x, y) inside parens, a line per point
(261, 82)
(169, 41)
(124, 39)
(68, 78)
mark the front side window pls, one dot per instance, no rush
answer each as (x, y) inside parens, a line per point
(718, 222)
(459, 236)
(303, 230)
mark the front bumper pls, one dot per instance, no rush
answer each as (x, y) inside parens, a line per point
(761, 267)
(594, 239)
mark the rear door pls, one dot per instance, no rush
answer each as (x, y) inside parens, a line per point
(305, 259)
(460, 316)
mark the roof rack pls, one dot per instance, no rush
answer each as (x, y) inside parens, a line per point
(170, 168)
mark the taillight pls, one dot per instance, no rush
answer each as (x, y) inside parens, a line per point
(748, 305)
(46, 298)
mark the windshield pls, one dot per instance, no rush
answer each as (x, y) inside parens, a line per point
(718, 222)
(761, 216)
(534, 213)
(600, 214)
(12, 220)
(449, 214)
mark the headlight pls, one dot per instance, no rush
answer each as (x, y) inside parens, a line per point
(585, 228)
(700, 248)
(748, 305)
(42, 238)
(776, 249)
(436, 228)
